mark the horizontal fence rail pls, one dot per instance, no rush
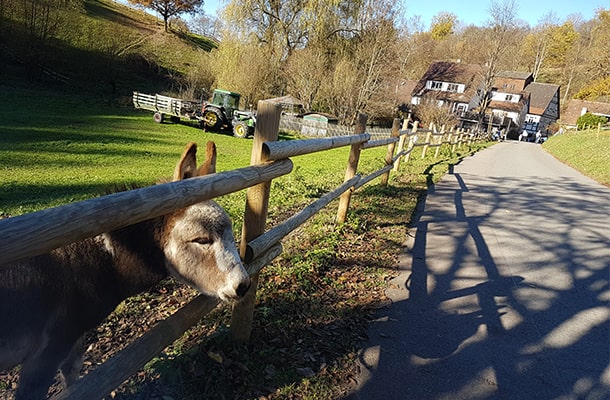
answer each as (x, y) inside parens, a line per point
(291, 148)
(277, 233)
(45, 230)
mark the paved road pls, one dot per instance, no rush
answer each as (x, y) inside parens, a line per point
(505, 292)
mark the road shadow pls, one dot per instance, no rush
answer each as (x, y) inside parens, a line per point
(495, 301)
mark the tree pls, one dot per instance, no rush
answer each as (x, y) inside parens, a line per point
(501, 26)
(598, 90)
(276, 23)
(169, 8)
(207, 25)
(536, 44)
(305, 72)
(600, 45)
(363, 68)
(588, 120)
(442, 25)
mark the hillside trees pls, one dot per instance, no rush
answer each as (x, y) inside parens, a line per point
(332, 53)
(442, 25)
(536, 45)
(169, 8)
(600, 45)
(500, 32)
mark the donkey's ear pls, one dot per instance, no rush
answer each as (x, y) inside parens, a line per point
(187, 166)
(209, 166)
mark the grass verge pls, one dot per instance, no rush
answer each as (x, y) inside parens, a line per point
(586, 151)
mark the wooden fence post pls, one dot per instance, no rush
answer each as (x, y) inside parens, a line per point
(401, 143)
(411, 141)
(455, 140)
(255, 215)
(352, 167)
(440, 142)
(428, 137)
(391, 148)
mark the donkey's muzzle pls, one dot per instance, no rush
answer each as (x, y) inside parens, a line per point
(243, 288)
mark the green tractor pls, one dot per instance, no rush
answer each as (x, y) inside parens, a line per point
(222, 112)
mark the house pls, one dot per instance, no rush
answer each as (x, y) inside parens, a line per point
(450, 84)
(290, 104)
(510, 101)
(576, 108)
(403, 91)
(544, 106)
(516, 101)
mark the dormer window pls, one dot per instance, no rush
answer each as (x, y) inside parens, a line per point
(436, 85)
(452, 87)
(509, 97)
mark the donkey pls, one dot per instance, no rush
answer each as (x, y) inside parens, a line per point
(48, 302)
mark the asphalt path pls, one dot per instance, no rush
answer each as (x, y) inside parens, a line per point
(505, 287)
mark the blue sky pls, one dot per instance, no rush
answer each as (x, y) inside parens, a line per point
(476, 12)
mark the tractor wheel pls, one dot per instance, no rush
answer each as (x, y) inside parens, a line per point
(212, 119)
(158, 117)
(241, 130)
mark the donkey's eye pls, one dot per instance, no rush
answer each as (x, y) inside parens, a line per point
(203, 240)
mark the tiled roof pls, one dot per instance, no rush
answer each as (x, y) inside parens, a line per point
(404, 91)
(509, 106)
(470, 75)
(514, 74)
(575, 107)
(541, 96)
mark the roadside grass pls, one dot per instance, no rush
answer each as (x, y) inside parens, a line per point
(314, 301)
(585, 151)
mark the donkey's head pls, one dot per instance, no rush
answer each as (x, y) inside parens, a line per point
(200, 248)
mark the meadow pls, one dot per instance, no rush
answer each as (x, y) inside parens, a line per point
(586, 151)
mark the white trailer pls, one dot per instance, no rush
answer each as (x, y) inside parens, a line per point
(165, 105)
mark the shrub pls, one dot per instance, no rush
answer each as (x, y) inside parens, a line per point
(590, 120)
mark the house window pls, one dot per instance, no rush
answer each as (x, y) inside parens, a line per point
(509, 97)
(436, 85)
(452, 87)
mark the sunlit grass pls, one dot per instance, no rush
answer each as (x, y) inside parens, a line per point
(585, 151)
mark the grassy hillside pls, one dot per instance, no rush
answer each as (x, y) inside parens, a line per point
(104, 48)
(585, 151)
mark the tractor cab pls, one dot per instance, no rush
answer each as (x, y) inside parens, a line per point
(226, 99)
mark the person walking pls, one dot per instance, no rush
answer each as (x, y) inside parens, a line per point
(523, 135)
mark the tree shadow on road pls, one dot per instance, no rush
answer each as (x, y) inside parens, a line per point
(495, 301)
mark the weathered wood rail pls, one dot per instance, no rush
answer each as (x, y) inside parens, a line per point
(42, 231)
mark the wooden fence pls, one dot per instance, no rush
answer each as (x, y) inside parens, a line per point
(42, 231)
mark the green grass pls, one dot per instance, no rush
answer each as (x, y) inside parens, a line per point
(73, 148)
(585, 151)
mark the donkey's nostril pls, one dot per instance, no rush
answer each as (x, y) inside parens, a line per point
(242, 289)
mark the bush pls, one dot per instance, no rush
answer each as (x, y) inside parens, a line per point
(590, 120)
